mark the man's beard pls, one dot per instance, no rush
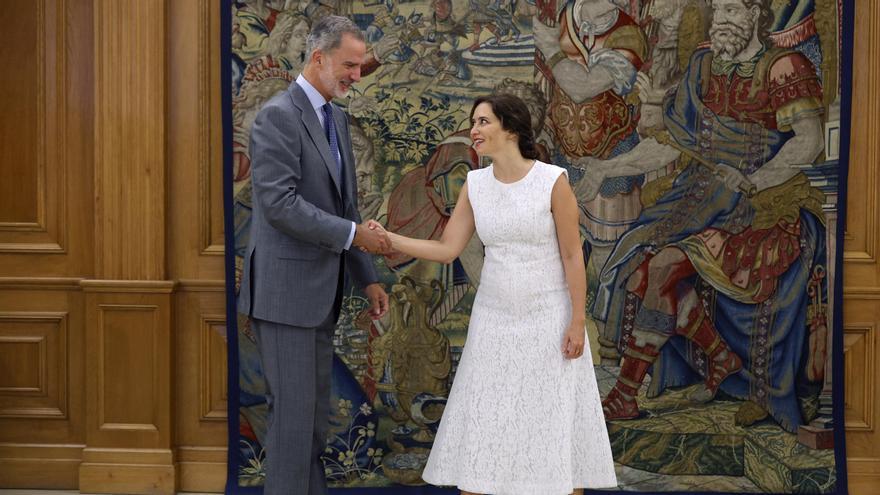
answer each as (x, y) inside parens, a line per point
(332, 83)
(729, 40)
(664, 69)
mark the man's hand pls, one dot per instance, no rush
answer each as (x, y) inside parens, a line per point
(378, 300)
(371, 240)
(374, 225)
(732, 178)
(595, 172)
(378, 227)
(647, 92)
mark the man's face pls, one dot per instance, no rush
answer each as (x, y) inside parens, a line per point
(295, 49)
(340, 68)
(733, 25)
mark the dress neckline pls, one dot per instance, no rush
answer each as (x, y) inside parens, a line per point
(524, 177)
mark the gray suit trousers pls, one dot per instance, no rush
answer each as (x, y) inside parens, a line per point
(297, 363)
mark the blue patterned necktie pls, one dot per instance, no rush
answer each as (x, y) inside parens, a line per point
(330, 132)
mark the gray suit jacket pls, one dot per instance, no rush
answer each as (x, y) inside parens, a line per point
(301, 218)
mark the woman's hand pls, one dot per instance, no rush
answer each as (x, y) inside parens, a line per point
(573, 341)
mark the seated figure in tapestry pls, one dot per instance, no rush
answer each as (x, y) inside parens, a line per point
(714, 281)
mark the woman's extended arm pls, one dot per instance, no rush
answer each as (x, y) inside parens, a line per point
(452, 242)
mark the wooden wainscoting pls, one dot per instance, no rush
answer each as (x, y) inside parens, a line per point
(46, 238)
(195, 231)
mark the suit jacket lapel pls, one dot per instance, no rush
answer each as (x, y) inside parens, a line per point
(315, 131)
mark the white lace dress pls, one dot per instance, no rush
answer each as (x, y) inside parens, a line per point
(521, 419)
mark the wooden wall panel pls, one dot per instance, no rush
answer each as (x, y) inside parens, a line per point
(195, 141)
(33, 364)
(126, 367)
(195, 186)
(861, 303)
(128, 299)
(45, 426)
(129, 388)
(45, 212)
(862, 316)
(212, 368)
(862, 227)
(200, 416)
(130, 139)
(46, 235)
(859, 359)
(22, 116)
(210, 133)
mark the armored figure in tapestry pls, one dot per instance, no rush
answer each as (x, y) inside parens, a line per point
(588, 53)
(714, 276)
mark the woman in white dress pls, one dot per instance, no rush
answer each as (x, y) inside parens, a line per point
(523, 416)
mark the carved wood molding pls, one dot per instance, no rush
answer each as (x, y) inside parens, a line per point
(854, 292)
(193, 285)
(140, 286)
(210, 164)
(212, 370)
(48, 397)
(151, 346)
(859, 375)
(40, 283)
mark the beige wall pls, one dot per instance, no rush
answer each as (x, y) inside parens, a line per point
(112, 370)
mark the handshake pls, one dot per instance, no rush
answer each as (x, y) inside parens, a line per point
(371, 237)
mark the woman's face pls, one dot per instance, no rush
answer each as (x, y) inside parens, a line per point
(486, 132)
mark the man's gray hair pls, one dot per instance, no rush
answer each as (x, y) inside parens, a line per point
(327, 34)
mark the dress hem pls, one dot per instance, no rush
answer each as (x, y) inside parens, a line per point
(496, 488)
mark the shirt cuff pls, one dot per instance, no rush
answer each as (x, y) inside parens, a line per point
(350, 236)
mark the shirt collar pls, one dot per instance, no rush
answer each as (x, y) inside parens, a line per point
(315, 98)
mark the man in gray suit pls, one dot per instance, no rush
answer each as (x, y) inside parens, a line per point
(304, 232)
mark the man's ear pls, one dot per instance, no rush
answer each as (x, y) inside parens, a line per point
(756, 13)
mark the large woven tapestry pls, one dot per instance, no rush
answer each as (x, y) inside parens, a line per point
(742, 393)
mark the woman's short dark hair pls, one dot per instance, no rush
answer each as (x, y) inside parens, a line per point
(515, 118)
